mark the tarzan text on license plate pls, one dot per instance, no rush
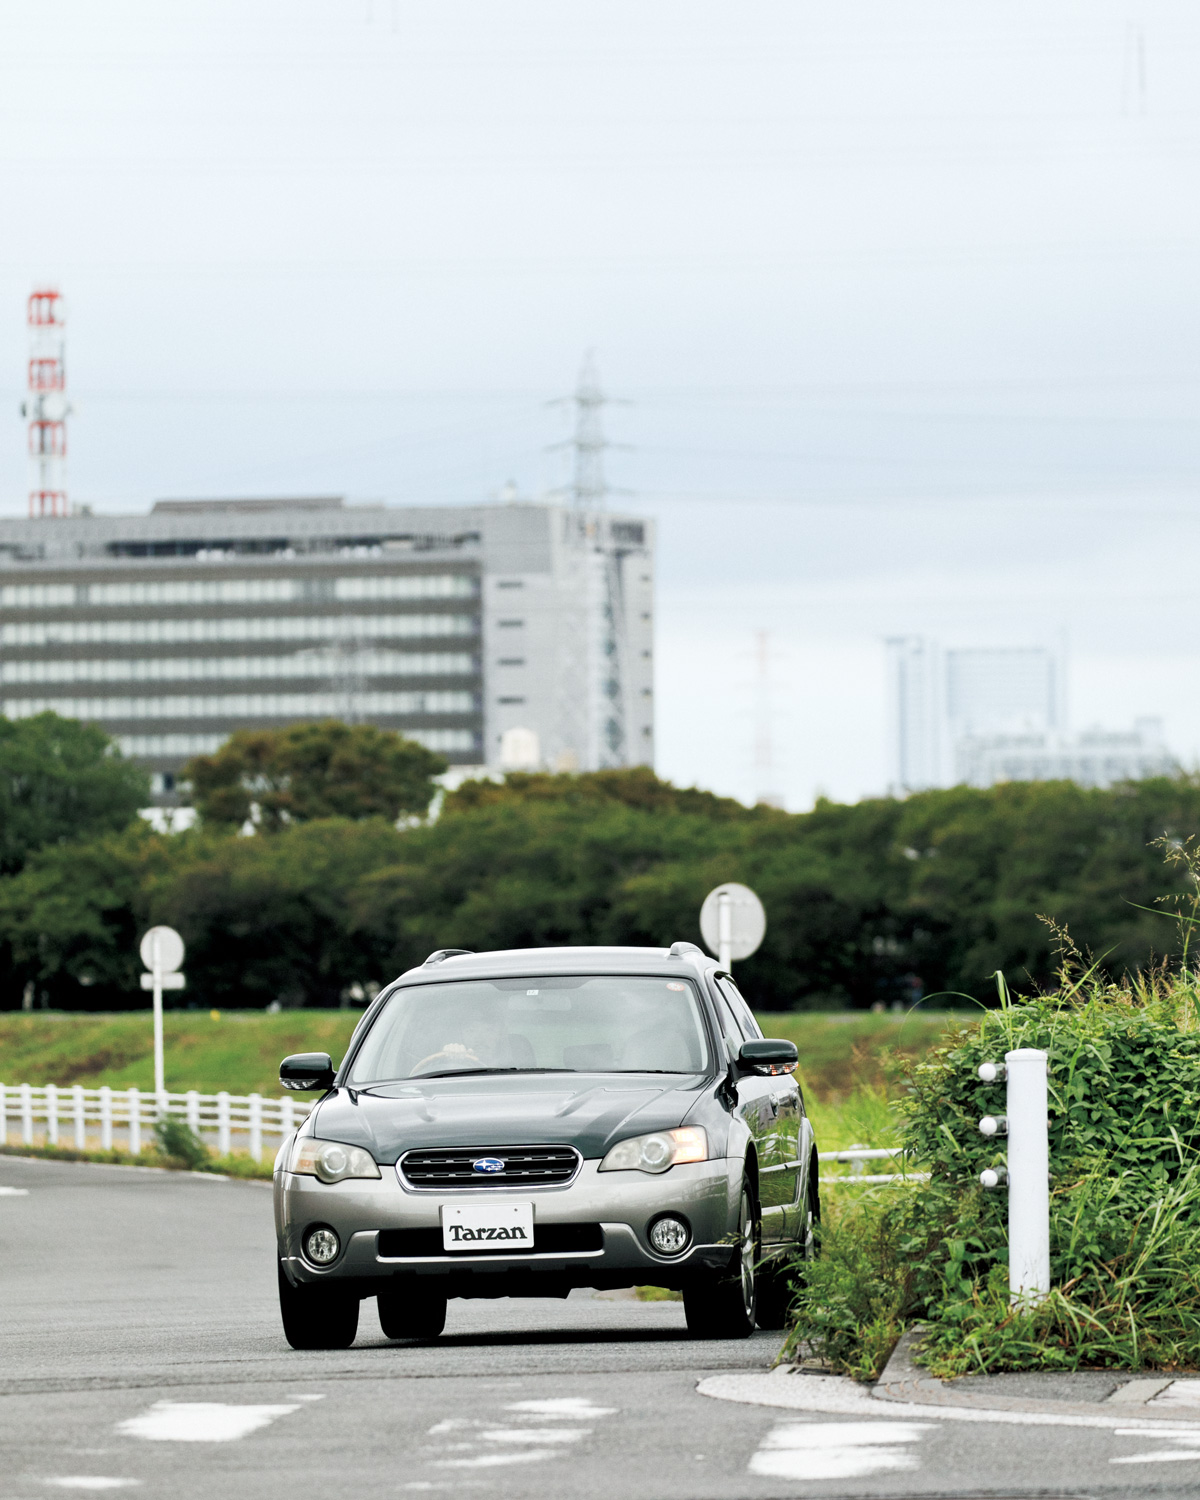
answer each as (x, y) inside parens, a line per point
(487, 1226)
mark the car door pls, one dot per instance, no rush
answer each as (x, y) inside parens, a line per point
(783, 1135)
(754, 1095)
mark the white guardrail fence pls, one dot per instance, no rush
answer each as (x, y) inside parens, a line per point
(87, 1119)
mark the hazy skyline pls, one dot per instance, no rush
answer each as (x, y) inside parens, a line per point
(903, 297)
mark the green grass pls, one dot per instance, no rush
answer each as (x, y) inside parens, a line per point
(848, 1063)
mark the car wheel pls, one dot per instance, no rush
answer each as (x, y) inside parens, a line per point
(723, 1306)
(403, 1315)
(777, 1281)
(317, 1317)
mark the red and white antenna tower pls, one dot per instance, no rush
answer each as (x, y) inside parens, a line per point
(46, 405)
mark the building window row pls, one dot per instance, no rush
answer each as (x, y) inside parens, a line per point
(238, 590)
(320, 662)
(445, 740)
(261, 628)
(244, 705)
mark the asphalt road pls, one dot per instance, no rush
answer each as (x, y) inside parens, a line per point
(140, 1350)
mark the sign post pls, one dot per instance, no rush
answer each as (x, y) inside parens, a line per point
(162, 952)
(733, 923)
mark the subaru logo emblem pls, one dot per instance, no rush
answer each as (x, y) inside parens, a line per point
(487, 1164)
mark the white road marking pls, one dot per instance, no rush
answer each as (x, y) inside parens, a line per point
(837, 1450)
(1187, 1443)
(7, 1192)
(492, 1460)
(563, 1406)
(201, 1421)
(535, 1434)
(91, 1482)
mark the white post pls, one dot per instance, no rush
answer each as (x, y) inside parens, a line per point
(77, 1109)
(3, 1114)
(27, 1114)
(160, 1086)
(256, 1126)
(134, 1099)
(105, 1117)
(287, 1114)
(51, 1097)
(223, 1141)
(1028, 1176)
(725, 931)
(193, 1110)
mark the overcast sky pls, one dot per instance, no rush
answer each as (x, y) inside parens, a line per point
(904, 297)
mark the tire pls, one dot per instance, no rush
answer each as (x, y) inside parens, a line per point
(403, 1315)
(777, 1281)
(723, 1306)
(317, 1317)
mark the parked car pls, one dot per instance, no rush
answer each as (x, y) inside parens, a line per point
(521, 1123)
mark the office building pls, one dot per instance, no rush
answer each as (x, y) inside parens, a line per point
(1097, 757)
(504, 636)
(980, 715)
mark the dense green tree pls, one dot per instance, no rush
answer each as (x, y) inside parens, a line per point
(306, 771)
(871, 902)
(270, 919)
(74, 915)
(61, 780)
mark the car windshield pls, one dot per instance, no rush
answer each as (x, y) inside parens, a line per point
(596, 1023)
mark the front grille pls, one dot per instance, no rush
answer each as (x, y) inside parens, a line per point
(524, 1167)
(548, 1239)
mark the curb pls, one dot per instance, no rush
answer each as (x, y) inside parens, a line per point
(904, 1381)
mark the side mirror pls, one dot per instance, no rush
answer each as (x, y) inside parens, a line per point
(769, 1056)
(307, 1070)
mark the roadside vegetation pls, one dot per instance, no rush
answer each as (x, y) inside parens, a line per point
(1124, 1067)
(359, 867)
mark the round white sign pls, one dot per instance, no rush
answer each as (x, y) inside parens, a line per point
(169, 946)
(747, 920)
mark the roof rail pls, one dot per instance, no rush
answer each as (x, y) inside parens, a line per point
(443, 953)
(679, 949)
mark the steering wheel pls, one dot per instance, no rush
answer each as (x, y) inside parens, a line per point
(451, 1052)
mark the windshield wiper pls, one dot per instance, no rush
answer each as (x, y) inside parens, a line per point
(469, 1072)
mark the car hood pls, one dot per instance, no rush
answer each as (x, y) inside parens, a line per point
(588, 1111)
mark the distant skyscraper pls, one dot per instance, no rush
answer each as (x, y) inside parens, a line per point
(940, 697)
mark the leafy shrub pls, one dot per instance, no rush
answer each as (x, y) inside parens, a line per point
(1124, 1071)
(179, 1142)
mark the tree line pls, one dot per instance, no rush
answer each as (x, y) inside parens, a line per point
(326, 860)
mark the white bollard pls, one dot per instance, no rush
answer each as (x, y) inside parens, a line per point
(134, 1110)
(105, 1117)
(77, 1112)
(1028, 1176)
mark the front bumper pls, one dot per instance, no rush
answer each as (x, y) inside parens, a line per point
(707, 1194)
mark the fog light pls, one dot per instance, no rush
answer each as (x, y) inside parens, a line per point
(321, 1246)
(669, 1235)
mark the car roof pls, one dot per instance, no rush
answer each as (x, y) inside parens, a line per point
(580, 960)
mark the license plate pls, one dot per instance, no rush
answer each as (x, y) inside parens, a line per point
(487, 1226)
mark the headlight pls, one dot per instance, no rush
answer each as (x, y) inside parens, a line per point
(657, 1152)
(330, 1161)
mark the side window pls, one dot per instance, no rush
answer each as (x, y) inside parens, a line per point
(729, 1027)
(741, 1011)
